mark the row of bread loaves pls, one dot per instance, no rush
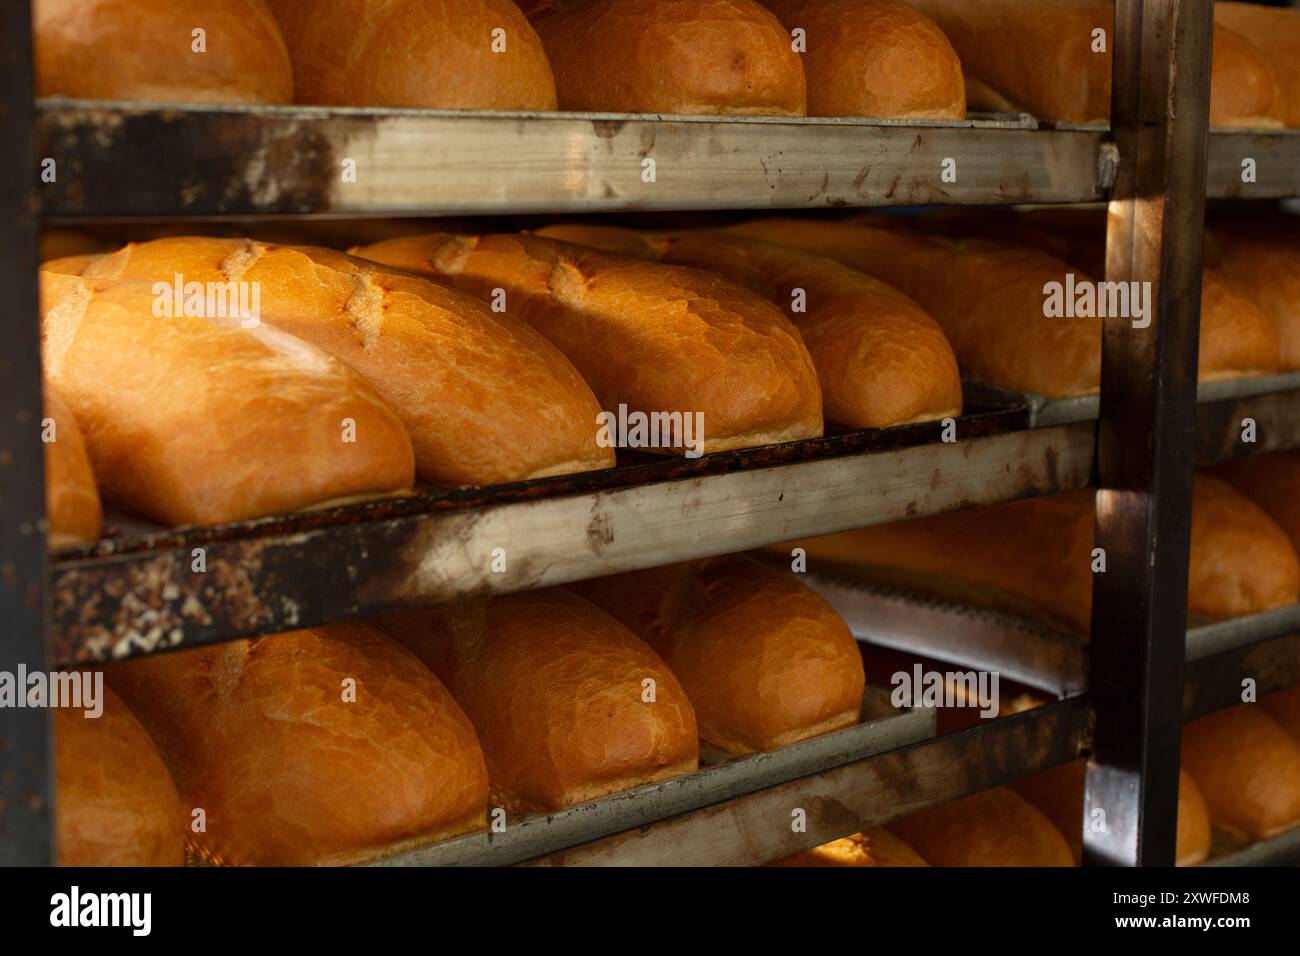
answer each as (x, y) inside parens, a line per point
(881, 58)
(338, 743)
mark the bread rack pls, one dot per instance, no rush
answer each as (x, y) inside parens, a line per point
(133, 594)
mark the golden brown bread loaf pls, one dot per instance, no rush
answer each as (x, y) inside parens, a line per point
(569, 705)
(1284, 707)
(878, 58)
(245, 422)
(147, 50)
(656, 338)
(1238, 335)
(1058, 793)
(670, 56)
(765, 661)
(995, 828)
(1272, 482)
(1238, 338)
(1038, 56)
(1039, 551)
(308, 748)
(988, 295)
(485, 398)
(880, 358)
(1275, 33)
(71, 497)
(1262, 256)
(115, 803)
(1248, 769)
(876, 847)
(437, 54)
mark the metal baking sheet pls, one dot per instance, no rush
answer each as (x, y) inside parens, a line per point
(128, 596)
(932, 618)
(1281, 850)
(1045, 412)
(119, 160)
(1276, 155)
(755, 828)
(542, 834)
(881, 608)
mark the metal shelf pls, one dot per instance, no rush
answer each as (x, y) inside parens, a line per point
(119, 160)
(1276, 153)
(138, 594)
(883, 729)
(755, 828)
(923, 617)
(1045, 411)
(1281, 850)
(135, 592)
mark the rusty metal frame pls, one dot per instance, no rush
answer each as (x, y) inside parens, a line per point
(1147, 431)
(1145, 446)
(26, 743)
(248, 161)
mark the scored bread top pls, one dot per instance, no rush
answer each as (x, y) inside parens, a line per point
(657, 338)
(311, 747)
(191, 420)
(486, 399)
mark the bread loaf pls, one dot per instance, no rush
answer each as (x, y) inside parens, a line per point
(1237, 337)
(569, 705)
(1039, 552)
(1284, 707)
(115, 803)
(658, 339)
(153, 50)
(989, 295)
(199, 421)
(670, 56)
(1059, 793)
(1261, 255)
(1275, 33)
(765, 661)
(316, 747)
(1052, 58)
(995, 828)
(988, 298)
(1248, 769)
(876, 847)
(877, 58)
(1271, 481)
(880, 358)
(438, 54)
(71, 497)
(485, 398)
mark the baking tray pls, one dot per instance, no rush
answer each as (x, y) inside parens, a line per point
(884, 728)
(1044, 411)
(1281, 850)
(137, 594)
(974, 628)
(118, 160)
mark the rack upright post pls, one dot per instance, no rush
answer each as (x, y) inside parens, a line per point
(26, 744)
(1146, 443)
